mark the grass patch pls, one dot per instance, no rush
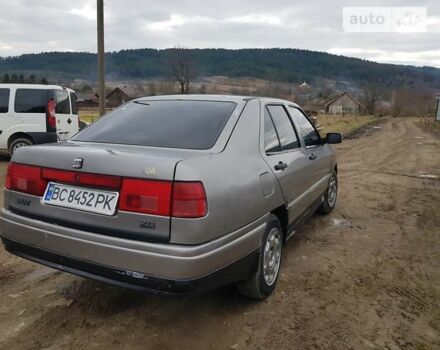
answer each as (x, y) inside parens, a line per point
(343, 123)
(89, 115)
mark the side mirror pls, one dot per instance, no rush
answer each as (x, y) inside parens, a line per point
(333, 137)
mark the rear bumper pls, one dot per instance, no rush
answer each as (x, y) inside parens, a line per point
(137, 281)
(155, 267)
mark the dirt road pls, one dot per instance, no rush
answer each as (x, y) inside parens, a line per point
(365, 277)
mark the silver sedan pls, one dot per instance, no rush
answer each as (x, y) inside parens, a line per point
(173, 195)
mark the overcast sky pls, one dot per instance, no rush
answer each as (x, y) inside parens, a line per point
(29, 26)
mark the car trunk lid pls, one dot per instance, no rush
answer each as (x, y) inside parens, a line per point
(129, 163)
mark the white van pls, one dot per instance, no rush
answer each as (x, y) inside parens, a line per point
(33, 114)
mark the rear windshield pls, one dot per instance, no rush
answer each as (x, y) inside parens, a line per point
(62, 102)
(175, 124)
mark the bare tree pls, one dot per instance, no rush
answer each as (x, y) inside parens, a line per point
(181, 67)
(418, 101)
(152, 90)
(203, 89)
(139, 89)
(166, 87)
(371, 95)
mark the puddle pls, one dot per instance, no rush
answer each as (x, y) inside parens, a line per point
(60, 303)
(20, 326)
(39, 273)
(428, 176)
(339, 222)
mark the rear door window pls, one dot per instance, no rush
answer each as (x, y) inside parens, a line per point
(307, 131)
(31, 100)
(284, 128)
(168, 123)
(271, 141)
(62, 102)
(4, 100)
(73, 103)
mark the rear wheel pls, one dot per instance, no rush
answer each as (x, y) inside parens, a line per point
(18, 143)
(263, 281)
(82, 124)
(330, 196)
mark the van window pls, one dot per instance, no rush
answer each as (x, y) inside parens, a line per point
(31, 101)
(62, 102)
(73, 103)
(4, 100)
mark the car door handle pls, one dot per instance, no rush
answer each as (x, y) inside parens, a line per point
(313, 156)
(280, 166)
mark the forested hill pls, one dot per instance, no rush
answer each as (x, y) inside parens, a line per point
(290, 65)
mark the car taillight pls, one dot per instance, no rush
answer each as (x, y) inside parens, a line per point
(85, 179)
(51, 119)
(146, 196)
(189, 200)
(155, 197)
(165, 198)
(25, 178)
(93, 180)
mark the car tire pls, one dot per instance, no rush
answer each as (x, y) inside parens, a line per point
(82, 125)
(330, 196)
(20, 142)
(264, 279)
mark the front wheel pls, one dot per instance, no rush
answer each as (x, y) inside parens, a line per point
(263, 281)
(18, 143)
(330, 196)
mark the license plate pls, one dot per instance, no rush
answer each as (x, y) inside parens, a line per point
(81, 198)
(63, 136)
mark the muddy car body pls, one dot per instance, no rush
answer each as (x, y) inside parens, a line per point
(201, 191)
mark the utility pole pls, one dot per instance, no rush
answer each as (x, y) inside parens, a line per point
(101, 71)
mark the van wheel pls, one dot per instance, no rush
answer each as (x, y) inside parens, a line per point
(18, 143)
(263, 281)
(330, 196)
(82, 124)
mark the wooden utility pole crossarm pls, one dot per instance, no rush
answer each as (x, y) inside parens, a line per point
(101, 70)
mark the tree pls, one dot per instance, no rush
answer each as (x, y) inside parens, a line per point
(181, 67)
(14, 78)
(139, 90)
(370, 96)
(152, 91)
(413, 102)
(21, 79)
(203, 89)
(32, 79)
(6, 78)
(44, 81)
(166, 87)
(326, 94)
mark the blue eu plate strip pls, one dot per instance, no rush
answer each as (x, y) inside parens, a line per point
(49, 192)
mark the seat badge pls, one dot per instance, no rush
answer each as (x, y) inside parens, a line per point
(77, 163)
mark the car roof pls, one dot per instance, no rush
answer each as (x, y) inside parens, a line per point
(226, 98)
(32, 86)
